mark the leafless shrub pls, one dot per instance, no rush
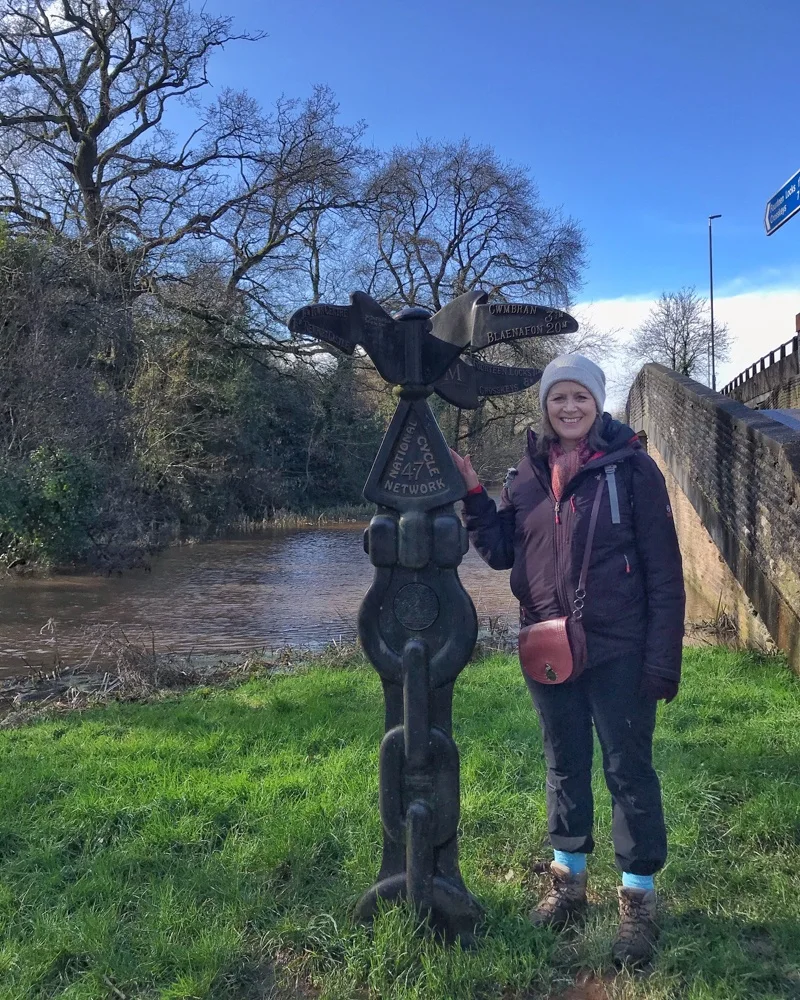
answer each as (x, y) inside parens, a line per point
(140, 669)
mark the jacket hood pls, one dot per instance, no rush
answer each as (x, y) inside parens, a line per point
(617, 436)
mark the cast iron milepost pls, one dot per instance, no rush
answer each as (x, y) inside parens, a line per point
(417, 624)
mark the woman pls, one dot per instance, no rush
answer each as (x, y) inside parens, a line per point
(633, 619)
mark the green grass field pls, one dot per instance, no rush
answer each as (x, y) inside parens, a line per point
(210, 845)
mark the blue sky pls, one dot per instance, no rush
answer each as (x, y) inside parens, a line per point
(639, 119)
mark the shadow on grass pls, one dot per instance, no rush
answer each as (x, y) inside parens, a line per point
(733, 958)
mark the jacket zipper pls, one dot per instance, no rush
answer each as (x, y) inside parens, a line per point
(561, 538)
(561, 553)
(627, 564)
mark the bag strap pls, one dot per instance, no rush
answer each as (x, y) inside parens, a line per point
(580, 593)
(611, 479)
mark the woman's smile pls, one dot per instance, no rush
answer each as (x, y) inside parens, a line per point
(571, 410)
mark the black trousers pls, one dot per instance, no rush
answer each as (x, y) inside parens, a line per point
(608, 696)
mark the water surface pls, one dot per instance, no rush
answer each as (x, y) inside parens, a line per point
(268, 590)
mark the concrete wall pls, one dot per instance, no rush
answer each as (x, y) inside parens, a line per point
(740, 472)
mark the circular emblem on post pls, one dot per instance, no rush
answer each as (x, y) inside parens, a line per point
(416, 606)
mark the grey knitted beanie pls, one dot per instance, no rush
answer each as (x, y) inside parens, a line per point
(574, 368)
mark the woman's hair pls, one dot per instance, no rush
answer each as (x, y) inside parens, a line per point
(549, 437)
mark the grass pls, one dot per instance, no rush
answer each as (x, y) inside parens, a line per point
(341, 514)
(210, 845)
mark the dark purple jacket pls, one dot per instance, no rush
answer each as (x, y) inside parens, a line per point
(634, 589)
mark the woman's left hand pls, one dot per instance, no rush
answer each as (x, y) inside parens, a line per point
(658, 688)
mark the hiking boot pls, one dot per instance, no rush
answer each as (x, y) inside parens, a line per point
(638, 931)
(565, 901)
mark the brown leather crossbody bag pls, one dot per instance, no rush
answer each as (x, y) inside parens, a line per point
(554, 651)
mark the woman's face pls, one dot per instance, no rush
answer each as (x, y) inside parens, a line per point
(571, 410)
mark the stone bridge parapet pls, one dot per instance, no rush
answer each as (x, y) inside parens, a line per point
(773, 382)
(740, 472)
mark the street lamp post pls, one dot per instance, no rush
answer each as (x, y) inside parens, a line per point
(711, 300)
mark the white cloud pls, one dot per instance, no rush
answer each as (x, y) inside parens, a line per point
(614, 314)
(758, 321)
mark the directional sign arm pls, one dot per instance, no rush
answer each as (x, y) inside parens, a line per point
(459, 385)
(433, 344)
(370, 316)
(380, 335)
(331, 324)
(454, 322)
(468, 379)
(504, 321)
(499, 380)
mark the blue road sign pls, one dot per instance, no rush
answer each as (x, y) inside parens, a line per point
(783, 205)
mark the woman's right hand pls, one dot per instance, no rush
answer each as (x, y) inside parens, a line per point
(468, 474)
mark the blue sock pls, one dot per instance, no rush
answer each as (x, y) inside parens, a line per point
(630, 881)
(575, 862)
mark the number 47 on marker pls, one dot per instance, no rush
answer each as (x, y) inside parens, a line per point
(409, 467)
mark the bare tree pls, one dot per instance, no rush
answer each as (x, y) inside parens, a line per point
(444, 218)
(677, 334)
(84, 89)
(248, 198)
(441, 219)
(282, 241)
